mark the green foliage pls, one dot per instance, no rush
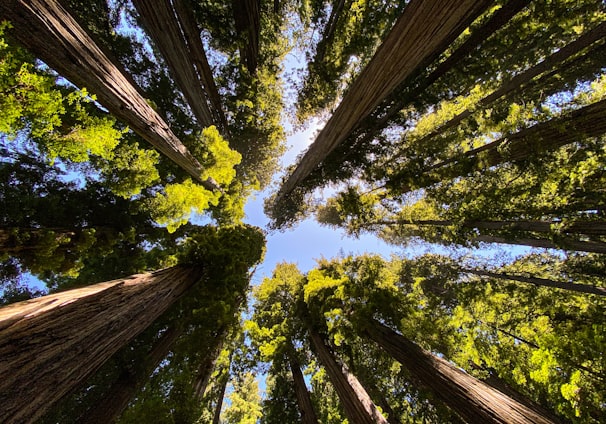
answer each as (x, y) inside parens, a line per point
(245, 402)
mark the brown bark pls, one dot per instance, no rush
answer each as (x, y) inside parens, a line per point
(247, 15)
(469, 397)
(51, 344)
(46, 29)
(219, 406)
(160, 22)
(563, 243)
(308, 415)
(206, 367)
(191, 32)
(424, 30)
(358, 406)
(120, 393)
(579, 288)
(525, 77)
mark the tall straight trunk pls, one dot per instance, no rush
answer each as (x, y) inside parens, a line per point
(59, 340)
(566, 243)
(579, 288)
(206, 367)
(585, 122)
(120, 393)
(523, 78)
(308, 414)
(191, 32)
(358, 406)
(52, 34)
(472, 399)
(329, 30)
(160, 22)
(424, 30)
(221, 396)
(492, 25)
(247, 16)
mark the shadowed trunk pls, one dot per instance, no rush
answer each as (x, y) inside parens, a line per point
(219, 406)
(206, 367)
(329, 31)
(120, 393)
(160, 22)
(579, 288)
(247, 15)
(357, 405)
(191, 32)
(46, 29)
(61, 339)
(469, 397)
(308, 415)
(423, 31)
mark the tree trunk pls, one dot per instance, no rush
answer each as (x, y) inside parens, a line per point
(120, 393)
(219, 406)
(563, 243)
(357, 405)
(191, 32)
(423, 31)
(247, 15)
(579, 288)
(205, 369)
(51, 344)
(308, 415)
(525, 77)
(51, 33)
(329, 31)
(160, 22)
(472, 399)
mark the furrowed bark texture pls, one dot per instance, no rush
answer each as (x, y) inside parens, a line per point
(191, 32)
(119, 394)
(545, 282)
(51, 344)
(424, 30)
(247, 14)
(160, 22)
(46, 29)
(474, 400)
(308, 415)
(358, 406)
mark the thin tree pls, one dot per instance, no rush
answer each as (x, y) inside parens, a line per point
(61, 339)
(424, 30)
(474, 400)
(52, 34)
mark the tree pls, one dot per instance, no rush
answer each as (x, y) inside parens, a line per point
(44, 27)
(473, 400)
(378, 79)
(245, 402)
(38, 334)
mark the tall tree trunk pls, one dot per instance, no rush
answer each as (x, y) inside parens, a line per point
(469, 397)
(329, 30)
(585, 122)
(61, 339)
(525, 77)
(120, 393)
(579, 288)
(160, 22)
(498, 20)
(191, 32)
(308, 414)
(424, 30)
(563, 243)
(52, 34)
(206, 367)
(221, 396)
(358, 406)
(247, 15)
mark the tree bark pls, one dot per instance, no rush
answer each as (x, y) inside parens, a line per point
(563, 243)
(160, 22)
(206, 367)
(191, 32)
(51, 344)
(308, 414)
(424, 30)
(247, 15)
(219, 406)
(469, 397)
(358, 406)
(120, 393)
(579, 288)
(52, 34)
